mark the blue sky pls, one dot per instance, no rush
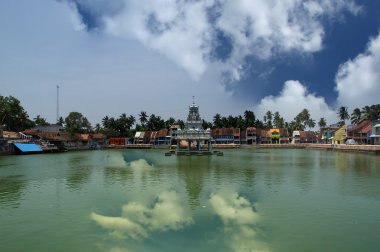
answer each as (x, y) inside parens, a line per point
(125, 56)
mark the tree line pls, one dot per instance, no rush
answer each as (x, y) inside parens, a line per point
(13, 117)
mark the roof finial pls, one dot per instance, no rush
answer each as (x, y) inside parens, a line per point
(193, 99)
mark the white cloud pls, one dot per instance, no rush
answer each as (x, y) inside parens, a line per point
(179, 30)
(293, 98)
(182, 30)
(137, 220)
(357, 80)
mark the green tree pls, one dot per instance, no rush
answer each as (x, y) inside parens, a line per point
(12, 114)
(302, 120)
(268, 119)
(249, 119)
(343, 114)
(122, 124)
(155, 123)
(60, 121)
(206, 125)
(105, 122)
(310, 123)
(231, 122)
(143, 117)
(217, 121)
(181, 123)
(97, 128)
(169, 122)
(77, 123)
(371, 112)
(356, 116)
(241, 123)
(322, 122)
(278, 121)
(40, 121)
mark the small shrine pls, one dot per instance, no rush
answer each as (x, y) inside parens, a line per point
(193, 139)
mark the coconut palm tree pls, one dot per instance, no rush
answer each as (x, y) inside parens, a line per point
(278, 121)
(371, 112)
(249, 118)
(343, 114)
(268, 119)
(217, 121)
(356, 116)
(143, 118)
(322, 122)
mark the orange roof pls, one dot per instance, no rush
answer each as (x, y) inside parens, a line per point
(149, 134)
(84, 137)
(284, 132)
(98, 136)
(308, 134)
(162, 133)
(263, 133)
(175, 126)
(225, 132)
(363, 126)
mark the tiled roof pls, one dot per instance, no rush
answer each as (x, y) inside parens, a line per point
(363, 126)
(263, 133)
(162, 133)
(85, 137)
(10, 134)
(284, 132)
(225, 132)
(308, 134)
(98, 136)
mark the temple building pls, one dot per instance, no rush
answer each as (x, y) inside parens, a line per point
(193, 139)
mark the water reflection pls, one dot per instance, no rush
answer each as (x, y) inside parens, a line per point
(11, 190)
(239, 221)
(275, 163)
(126, 170)
(79, 171)
(194, 171)
(138, 220)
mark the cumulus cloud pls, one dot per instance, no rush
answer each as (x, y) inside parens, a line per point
(239, 221)
(292, 99)
(357, 80)
(137, 220)
(188, 32)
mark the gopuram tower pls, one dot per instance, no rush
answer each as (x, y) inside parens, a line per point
(193, 140)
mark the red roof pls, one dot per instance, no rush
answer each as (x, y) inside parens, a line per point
(263, 133)
(308, 134)
(284, 132)
(98, 136)
(225, 132)
(162, 133)
(363, 126)
(84, 137)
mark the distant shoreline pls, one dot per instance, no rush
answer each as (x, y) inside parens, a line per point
(373, 149)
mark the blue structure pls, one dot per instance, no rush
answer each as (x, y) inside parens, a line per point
(25, 148)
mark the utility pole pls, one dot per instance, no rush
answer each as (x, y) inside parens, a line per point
(57, 103)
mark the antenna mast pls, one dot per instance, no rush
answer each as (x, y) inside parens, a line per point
(57, 103)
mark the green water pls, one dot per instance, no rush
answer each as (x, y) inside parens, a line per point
(140, 200)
